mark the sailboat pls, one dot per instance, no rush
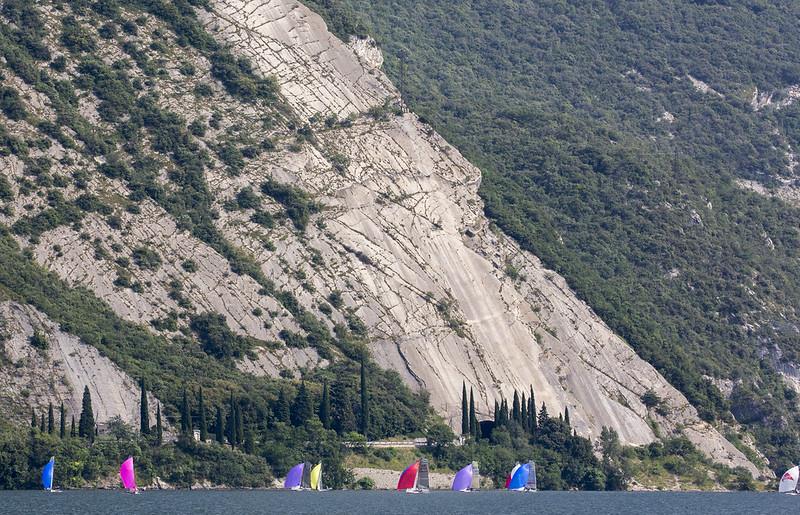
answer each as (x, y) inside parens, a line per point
(415, 479)
(476, 477)
(316, 477)
(47, 475)
(511, 475)
(463, 480)
(530, 485)
(294, 478)
(789, 481)
(519, 478)
(127, 475)
(305, 479)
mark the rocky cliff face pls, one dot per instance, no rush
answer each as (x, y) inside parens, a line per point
(396, 244)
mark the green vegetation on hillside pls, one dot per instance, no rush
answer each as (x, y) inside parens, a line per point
(563, 107)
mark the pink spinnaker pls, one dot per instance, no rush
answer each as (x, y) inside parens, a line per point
(126, 474)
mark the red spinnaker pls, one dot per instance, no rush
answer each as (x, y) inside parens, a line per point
(408, 477)
(508, 480)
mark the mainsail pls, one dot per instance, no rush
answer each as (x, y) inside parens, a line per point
(305, 481)
(316, 477)
(789, 480)
(463, 480)
(47, 474)
(127, 475)
(423, 479)
(531, 483)
(476, 476)
(408, 479)
(520, 478)
(294, 477)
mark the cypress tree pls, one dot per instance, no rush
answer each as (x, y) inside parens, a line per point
(231, 431)
(566, 416)
(72, 432)
(302, 410)
(249, 441)
(523, 414)
(325, 407)
(159, 427)
(218, 427)
(33, 418)
(342, 413)
(42, 425)
(515, 407)
(473, 419)
(144, 410)
(532, 412)
(51, 419)
(86, 421)
(496, 413)
(202, 416)
(239, 424)
(62, 426)
(186, 415)
(464, 414)
(282, 412)
(364, 422)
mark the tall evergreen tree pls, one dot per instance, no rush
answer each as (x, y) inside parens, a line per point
(342, 415)
(532, 412)
(496, 413)
(503, 412)
(218, 428)
(144, 410)
(464, 410)
(325, 407)
(566, 416)
(281, 410)
(364, 422)
(523, 415)
(86, 427)
(159, 427)
(302, 409)
(544, 420)
(515, 413)
(239, 424)
(230, 430)
(42, 424)
(33, 418)
(72, 432)
(201, 406)
(186, 415)
(51, 419)
(249, 441)
(473, 419)
(62, 424)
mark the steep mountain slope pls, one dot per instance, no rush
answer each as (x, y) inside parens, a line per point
(615, 138)
(309, 210)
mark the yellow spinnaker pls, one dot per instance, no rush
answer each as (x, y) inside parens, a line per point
(316, 477)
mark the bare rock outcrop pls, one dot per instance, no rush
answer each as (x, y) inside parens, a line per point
(32, 378)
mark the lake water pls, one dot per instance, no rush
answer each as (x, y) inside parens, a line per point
(382, 502)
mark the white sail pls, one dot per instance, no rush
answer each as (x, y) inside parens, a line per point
(789, 480)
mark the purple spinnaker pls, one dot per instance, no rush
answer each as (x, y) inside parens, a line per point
(126, 474)
(463, 479)
(294, 476)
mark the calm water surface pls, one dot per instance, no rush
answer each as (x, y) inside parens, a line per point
(439, 503)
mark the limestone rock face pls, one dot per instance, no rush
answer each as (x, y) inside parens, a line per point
(59, 373)
(424, 270)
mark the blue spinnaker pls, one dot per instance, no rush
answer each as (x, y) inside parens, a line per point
(47, 474)
(520, 477)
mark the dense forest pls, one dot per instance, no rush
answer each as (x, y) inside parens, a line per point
(613, 137)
